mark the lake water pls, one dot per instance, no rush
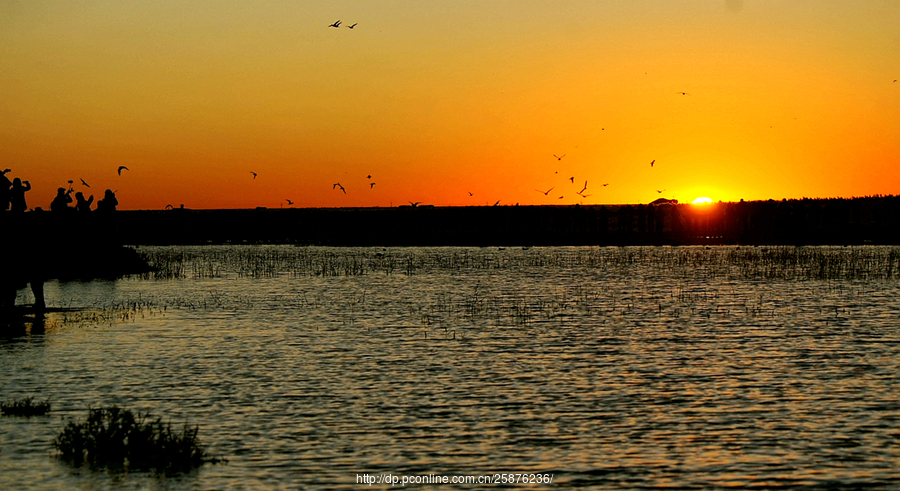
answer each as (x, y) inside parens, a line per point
(605, 368)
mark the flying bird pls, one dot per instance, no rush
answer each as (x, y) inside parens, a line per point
(572, 179)
(121, 168)
(86, 184)
(558, 157)
(354, 25)
(583, 195)
(337, 23)
(470, 193)
(497, 203)
(369, 176)
(683, 93)
(660, 191)
(414, 204)
(289, 201)
(546, 193)
(371, 185)
(338, 185)
(652, 162)
(254, 174)
(605, 184)
(584, 188)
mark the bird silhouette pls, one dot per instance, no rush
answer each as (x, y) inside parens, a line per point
(86, 184)
(497, 203)
(170, 207)
(121, 168)
(337, 23)
(371, 185)
(289, 201)
(470, 193)
(414, 204)
(660, 191)
(254, 174)
(338, 185)
(545, 193)
(369, 176)
(583, 195)
(605, 184)
(352, 26)
(652, 162)
(584, 188)
(572, 179)
(559, 157)
(683, 93)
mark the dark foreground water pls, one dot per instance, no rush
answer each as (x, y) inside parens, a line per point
(619, 368)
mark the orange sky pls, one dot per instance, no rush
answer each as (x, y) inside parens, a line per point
(438, 99)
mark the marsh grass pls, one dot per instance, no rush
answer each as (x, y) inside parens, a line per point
(119, 440)
(25, 407)
(778, 262)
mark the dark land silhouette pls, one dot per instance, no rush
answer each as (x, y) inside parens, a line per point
(868, 220)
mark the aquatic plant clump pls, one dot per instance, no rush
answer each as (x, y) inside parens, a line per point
(118, 439)
(25, 407)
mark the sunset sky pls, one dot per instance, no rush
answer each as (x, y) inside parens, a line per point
(442, 98)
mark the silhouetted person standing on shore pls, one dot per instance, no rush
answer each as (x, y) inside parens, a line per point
(109, 202)
(81, 204)
(62, 200)
(17, 195)
(4, 190)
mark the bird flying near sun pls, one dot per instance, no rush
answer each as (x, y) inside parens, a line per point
(338, 185)
(337, 23)
(545, 193)
(652, 162)
(254, 174)
(86, 184)
(560, 157)
(121, 168)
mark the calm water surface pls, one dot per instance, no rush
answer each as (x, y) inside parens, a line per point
(607, 376)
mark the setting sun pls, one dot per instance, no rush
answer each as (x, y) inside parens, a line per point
(702, 201)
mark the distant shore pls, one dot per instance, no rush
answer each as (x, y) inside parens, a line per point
(869, 220)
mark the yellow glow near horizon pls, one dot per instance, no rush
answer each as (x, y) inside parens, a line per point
(450, 103)
(702, 201)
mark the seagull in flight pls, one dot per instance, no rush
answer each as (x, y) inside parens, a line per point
(352, 26)
(584, 188)
(289, 201)
(414, 204)
(369, 176)
(254, 174)
(497, 203)
(545, 193)
(338, 185)
(660, 191)
(86, 184)
(652, 162)
(605, 184)
(470, 193)
(371, 185)
(683, 93)
(121, 168)
(337, 23)
(572, 179)
(559, 157)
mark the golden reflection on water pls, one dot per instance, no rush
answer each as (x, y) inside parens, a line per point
(607, 374)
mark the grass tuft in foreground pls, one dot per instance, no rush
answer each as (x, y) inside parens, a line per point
(120, 440)
(25, 407)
